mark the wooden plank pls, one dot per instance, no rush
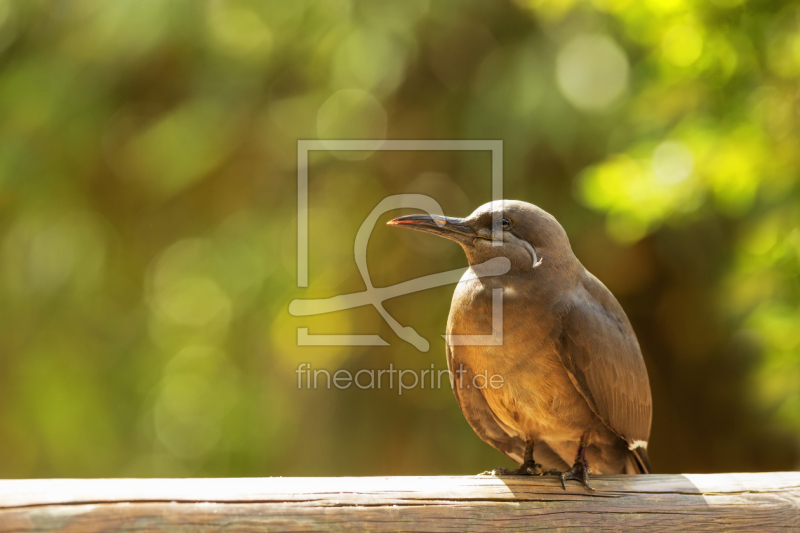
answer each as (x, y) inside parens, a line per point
(729, 502)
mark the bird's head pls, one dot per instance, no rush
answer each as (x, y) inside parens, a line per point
(531, 237)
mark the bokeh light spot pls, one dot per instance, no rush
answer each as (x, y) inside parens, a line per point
(592, 72)
(352, 114)
(47, 253)
(370, 60)
(194, 302)
(682, 45)
(673, 162)
(238, 30)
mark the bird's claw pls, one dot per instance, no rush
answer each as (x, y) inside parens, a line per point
(528, 468)
(578, 472)
(497, 472)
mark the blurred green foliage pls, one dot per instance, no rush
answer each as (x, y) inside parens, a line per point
(148, 158)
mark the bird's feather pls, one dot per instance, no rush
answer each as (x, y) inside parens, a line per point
(484, 422)
(600, 352)
(479, 414)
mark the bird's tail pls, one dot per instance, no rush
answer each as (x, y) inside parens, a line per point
(638, 462)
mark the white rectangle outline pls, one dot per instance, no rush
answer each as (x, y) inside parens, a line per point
(304, 146)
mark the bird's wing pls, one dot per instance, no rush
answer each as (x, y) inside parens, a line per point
(602, 357)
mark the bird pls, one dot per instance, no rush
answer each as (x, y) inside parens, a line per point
(574, 388)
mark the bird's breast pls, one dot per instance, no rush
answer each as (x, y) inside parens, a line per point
(536, 398)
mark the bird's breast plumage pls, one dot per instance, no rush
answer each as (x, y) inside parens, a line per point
(537, 399)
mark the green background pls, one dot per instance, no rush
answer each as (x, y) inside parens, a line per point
(148, 160)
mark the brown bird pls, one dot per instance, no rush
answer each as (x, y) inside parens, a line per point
(569, 383)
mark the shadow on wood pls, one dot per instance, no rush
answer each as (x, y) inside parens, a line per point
(763, 502)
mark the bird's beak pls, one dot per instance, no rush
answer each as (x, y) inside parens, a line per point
(455, 229)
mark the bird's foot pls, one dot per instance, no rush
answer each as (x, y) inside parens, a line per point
(497, 472)
(528, 468)
(531, 468)
(578, 472)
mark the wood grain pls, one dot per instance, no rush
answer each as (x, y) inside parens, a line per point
(718, 502)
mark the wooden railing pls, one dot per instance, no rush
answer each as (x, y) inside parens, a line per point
(723, 502)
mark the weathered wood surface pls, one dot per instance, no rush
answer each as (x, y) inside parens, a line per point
(720, 502)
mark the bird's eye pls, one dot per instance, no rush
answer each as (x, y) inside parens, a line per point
(504, 223)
